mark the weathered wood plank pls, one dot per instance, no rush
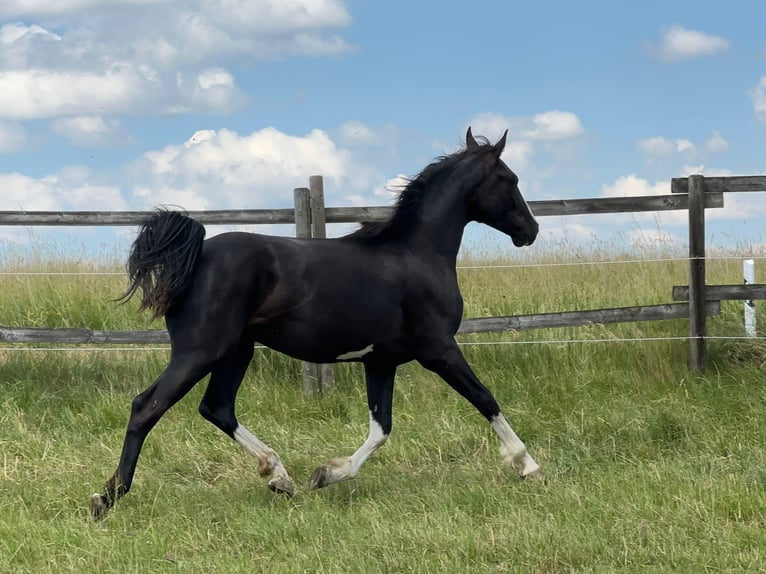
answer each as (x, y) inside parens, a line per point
(322, 372)
(739, 183)
(738, 292)
(555, 207)
(81, 335)
(316, 195)
(480, 325)
(580, 318)
(618, 204)
(697, 287)
(545, 208)
(357, 214)
(302, 212)
(209, 217)
(302, 199)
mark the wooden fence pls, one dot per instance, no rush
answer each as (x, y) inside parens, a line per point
(310, 216)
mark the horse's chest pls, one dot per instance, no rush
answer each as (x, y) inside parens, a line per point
(438, 310)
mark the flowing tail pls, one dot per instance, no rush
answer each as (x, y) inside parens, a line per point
(162, 260)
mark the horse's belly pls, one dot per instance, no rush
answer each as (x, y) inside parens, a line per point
(321, 343)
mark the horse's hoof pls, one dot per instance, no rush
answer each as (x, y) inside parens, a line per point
(319, 478)
(281, 485)
(537, 474)
(98, 506)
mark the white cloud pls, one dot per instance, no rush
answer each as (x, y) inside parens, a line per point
(117, 57)
(213, 169)
(224, 169)
(19, 42)
(554, 125)
(123, 89)
(758, 95)
(548, 126)
(40, 93)
(14, 8)
(660, 146)
(632, 185)
(69, 189)
(680, 44)
(215, 91)
(90, 131)
(525, 132)
(215, 77)
(716, 143)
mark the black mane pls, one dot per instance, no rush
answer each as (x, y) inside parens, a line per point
(408, 203)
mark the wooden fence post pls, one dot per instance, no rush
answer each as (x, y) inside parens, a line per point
(697, 293)
(319, 231)
(303, 229)
(302, 212)
(316, 194)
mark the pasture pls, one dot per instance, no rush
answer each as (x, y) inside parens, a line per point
(651, 468)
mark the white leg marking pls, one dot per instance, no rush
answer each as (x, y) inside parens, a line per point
(355, 354)
(513, 450)
(269, 463)
(375, 440)
(348, 467)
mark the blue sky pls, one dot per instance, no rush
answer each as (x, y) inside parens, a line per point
(125, 104)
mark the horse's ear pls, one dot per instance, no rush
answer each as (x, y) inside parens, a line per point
(470, 142)
(500, 145)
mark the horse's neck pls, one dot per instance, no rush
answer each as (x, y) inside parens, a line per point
(439, 226)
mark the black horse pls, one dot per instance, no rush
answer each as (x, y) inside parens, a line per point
(384, 295)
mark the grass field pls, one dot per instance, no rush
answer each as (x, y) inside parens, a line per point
(652, 468)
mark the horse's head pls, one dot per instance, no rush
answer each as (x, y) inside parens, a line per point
(496, 200)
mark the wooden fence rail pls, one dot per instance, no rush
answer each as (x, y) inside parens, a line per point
(737, 292)
(309, 215)
(468, 326)
(729, 183)
(557, 207)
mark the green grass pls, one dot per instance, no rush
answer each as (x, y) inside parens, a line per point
(652, 468)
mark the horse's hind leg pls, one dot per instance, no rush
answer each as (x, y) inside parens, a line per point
(451, 366)
(217, 406)
(380, 388)
(147, 408)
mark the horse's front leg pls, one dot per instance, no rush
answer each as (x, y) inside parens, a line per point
(451, 366)
(380, 388)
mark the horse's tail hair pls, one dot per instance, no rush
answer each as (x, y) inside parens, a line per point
(162, 260)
